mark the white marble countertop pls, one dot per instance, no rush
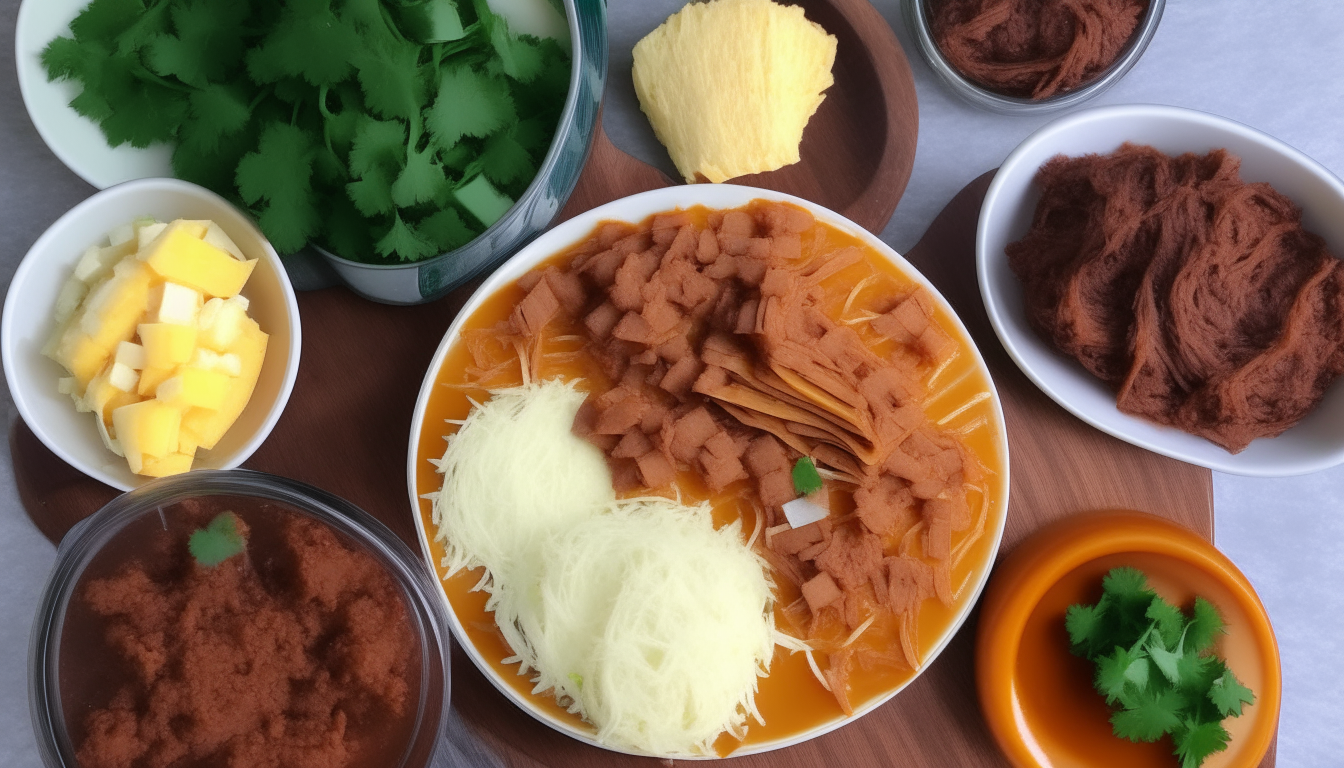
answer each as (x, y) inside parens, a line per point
(1277, 66)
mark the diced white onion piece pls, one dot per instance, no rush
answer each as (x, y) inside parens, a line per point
(65, 385)
(67, 301)
(800, 512)
(121, 234)
(180, 304)
(90, 264)
(241, 300)
(131, 355)
(216, 237)
(148, 233)
(123, 377)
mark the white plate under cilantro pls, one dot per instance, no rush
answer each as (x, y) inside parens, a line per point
(76, 140)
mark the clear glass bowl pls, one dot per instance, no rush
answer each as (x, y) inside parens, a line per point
(81, 546)
(422, 281)
(917, 20)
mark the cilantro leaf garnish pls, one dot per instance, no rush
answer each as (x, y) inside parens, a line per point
(1228, 694)
(218, 541)
(280, 173)
(468, 103)
(1155, 667)
(307, 41)
(385, 131)
(1196, 740)
(216, 111)
(806, 479)
(208, 36)
(402, 239)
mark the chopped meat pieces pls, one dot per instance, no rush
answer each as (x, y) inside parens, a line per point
(851, 557)
(621, 416)
(766, 454)
(691, 432)
(536, 310)
(602, 320)
(909, 582)
(655, 470)
(821, 591)
(794, 540)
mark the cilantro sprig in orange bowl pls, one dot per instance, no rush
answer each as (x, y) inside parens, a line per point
(411, 145)
(1038, 698)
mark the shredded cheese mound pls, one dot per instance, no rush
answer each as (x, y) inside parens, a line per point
(636, 614)
(514, 475)
(655, 625)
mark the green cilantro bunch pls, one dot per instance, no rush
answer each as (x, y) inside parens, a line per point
(1156, 668)
(385, 130)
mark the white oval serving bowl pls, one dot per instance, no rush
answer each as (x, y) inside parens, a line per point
(1315, 443)
(29, 305)
(635, 209)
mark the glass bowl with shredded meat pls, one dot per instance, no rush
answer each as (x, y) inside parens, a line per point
(1031, 56)
(312, 638)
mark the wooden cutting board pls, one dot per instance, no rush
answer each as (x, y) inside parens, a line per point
(347, 423)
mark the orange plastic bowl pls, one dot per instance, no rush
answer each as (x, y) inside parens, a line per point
(1038, 698)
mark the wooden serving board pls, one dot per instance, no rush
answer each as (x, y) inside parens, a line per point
(346, 428)
(348, 420)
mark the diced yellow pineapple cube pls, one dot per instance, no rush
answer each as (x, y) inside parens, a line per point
(209, 426)
(81, 356)
(171, 464)
(179, 256)
(167, 344)
(195, 388)
(114, 308)
(151, 378)
(146, 429)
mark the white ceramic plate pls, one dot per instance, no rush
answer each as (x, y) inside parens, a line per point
(1317, 442)
(634, 209)
(76, 140)
(27, 324)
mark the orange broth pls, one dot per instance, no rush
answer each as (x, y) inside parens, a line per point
(790, 699)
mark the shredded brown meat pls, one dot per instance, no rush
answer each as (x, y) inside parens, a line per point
(1033, 48)
(1198, 297)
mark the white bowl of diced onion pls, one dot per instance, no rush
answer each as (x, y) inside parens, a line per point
(43, 289)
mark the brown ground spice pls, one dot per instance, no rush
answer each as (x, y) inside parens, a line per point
(232, 668)
(1033, 48)
(1197, 296)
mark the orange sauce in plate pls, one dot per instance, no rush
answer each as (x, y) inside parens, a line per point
(790, 699)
